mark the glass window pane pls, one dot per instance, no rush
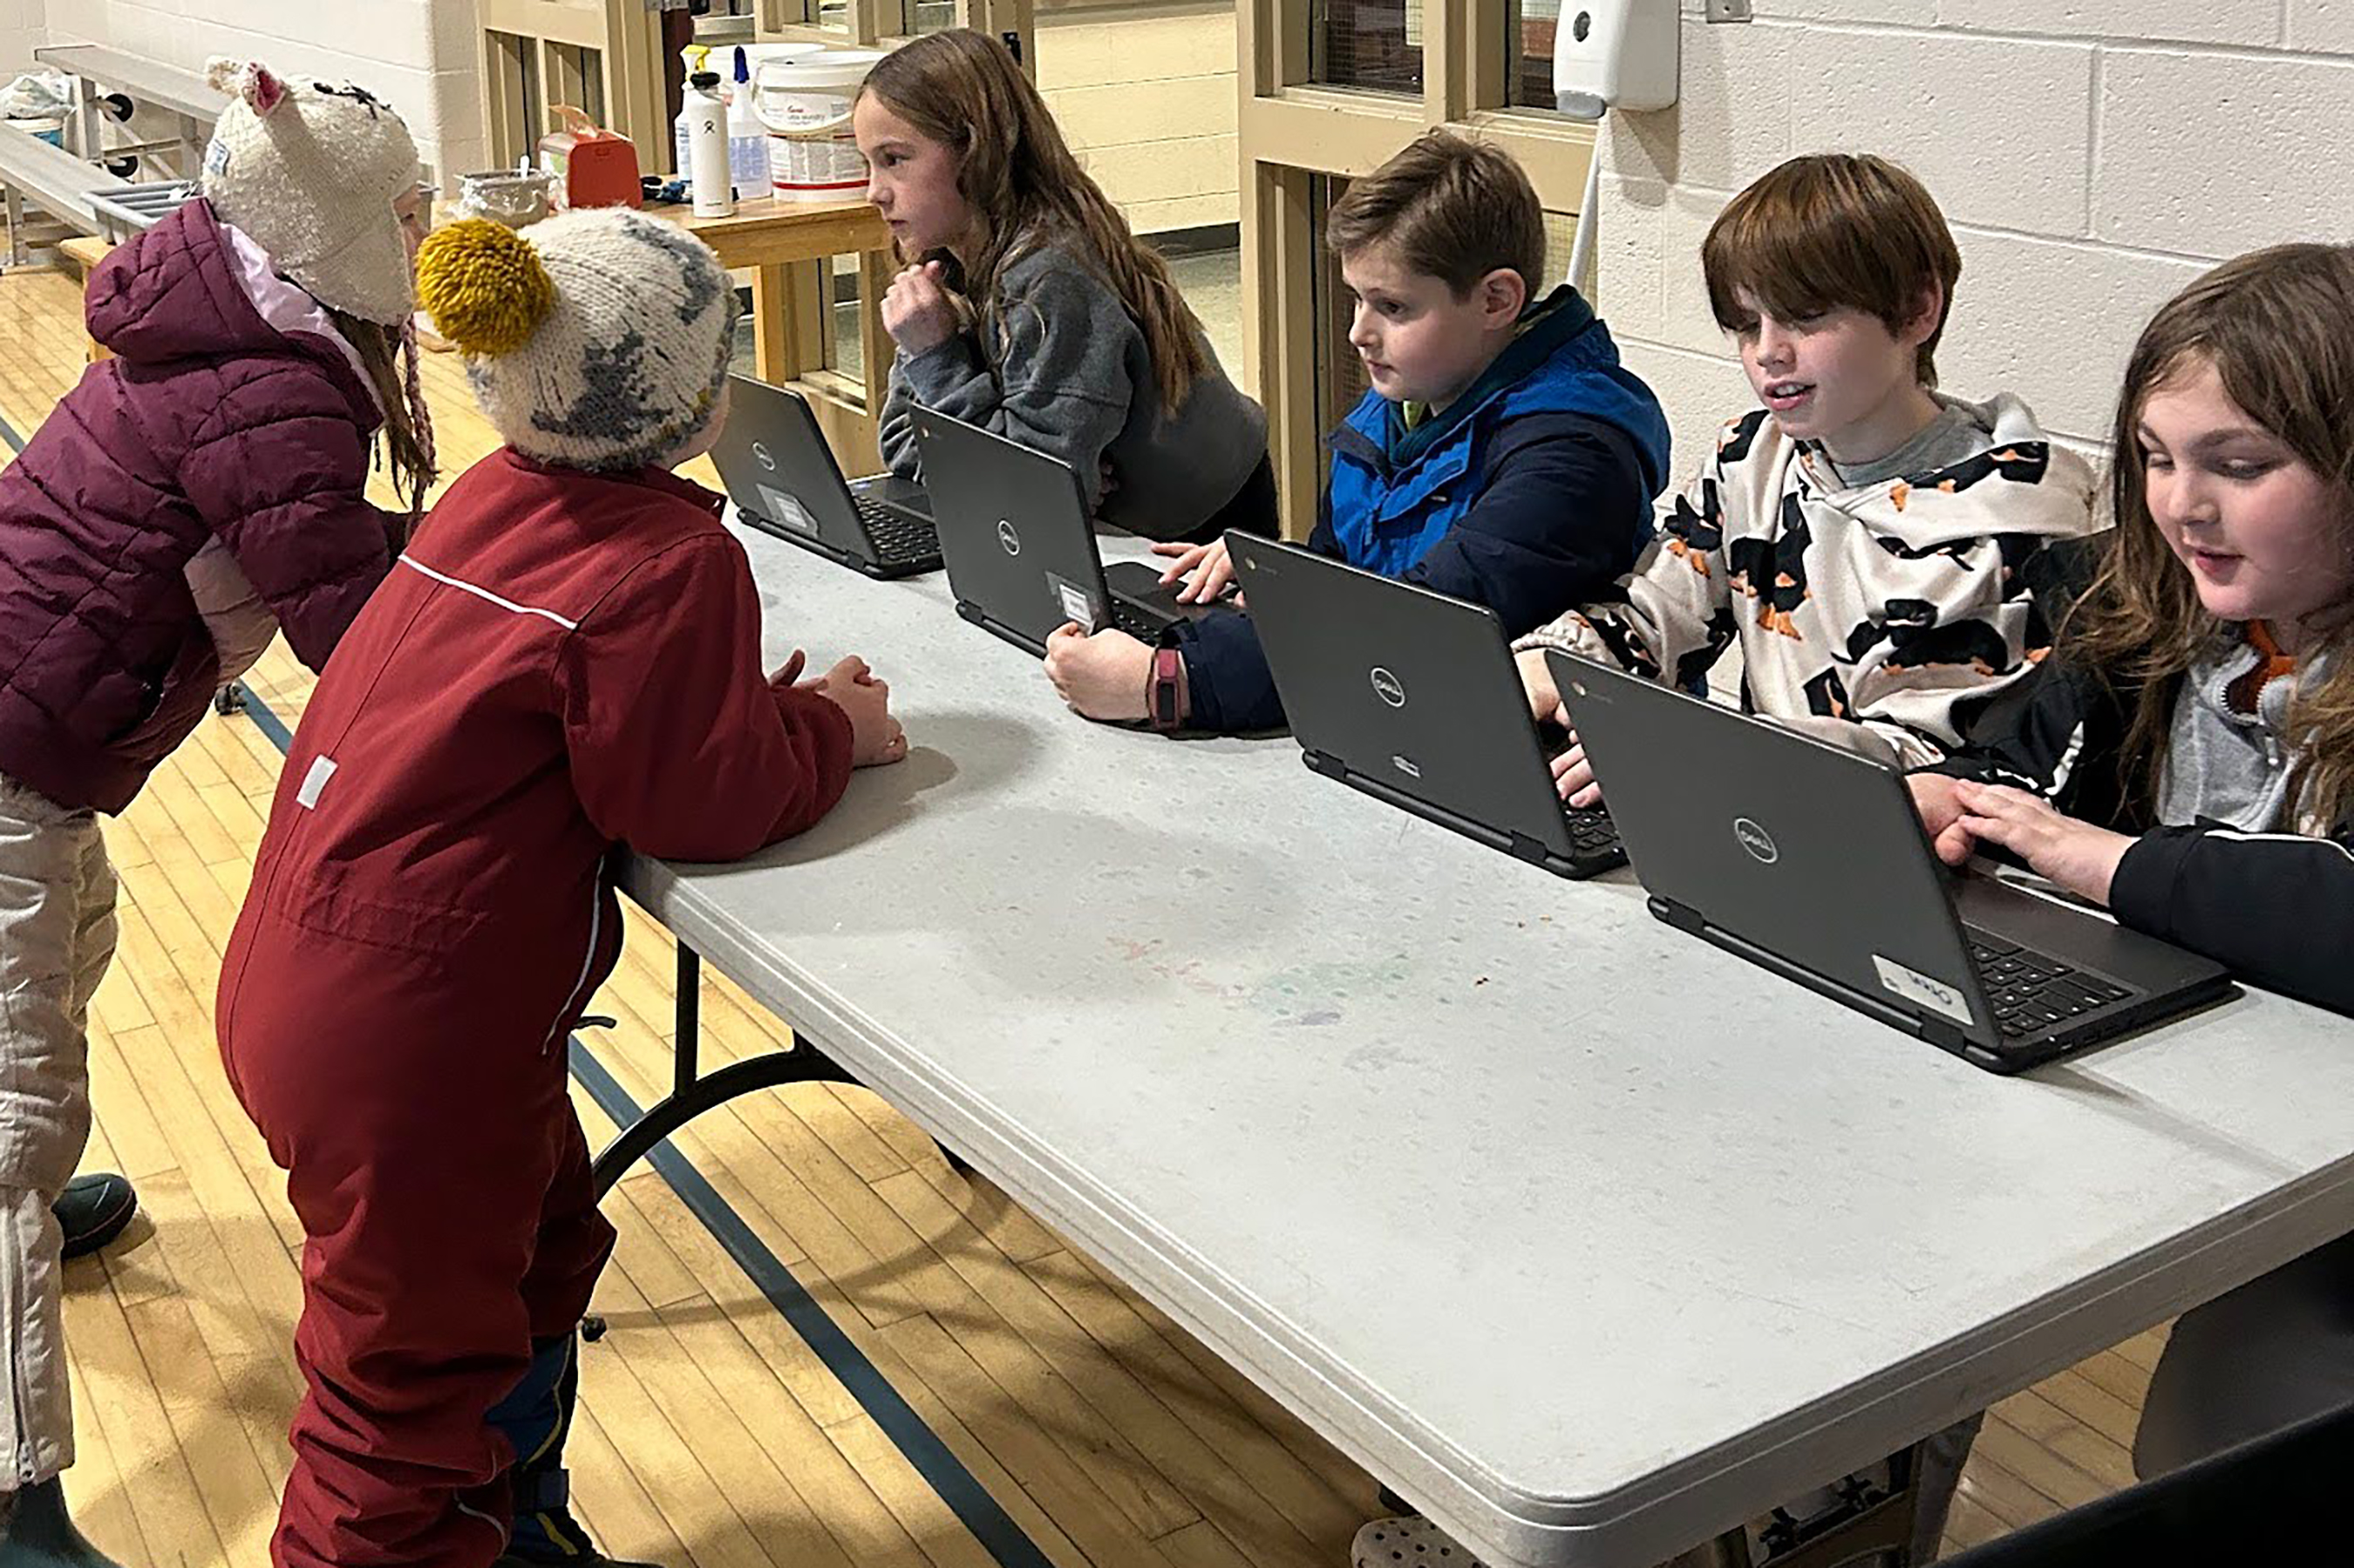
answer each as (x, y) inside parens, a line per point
(1374, 44)
(1560, 234)
(925, 15)
(1528, 40)
(1340, 378)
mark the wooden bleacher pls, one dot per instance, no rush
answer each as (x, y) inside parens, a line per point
(56, 181)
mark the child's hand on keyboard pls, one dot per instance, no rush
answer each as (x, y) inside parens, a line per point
(1937, 798)
(2075, 854)
(1573, 776)
(1105, 676)
(1212, 568)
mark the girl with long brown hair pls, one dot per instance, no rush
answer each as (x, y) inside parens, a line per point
(1030, 308)
(2188, 747)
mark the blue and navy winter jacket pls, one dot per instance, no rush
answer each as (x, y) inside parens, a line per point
(1531, 491)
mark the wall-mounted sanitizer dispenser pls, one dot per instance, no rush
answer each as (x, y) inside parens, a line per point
(1611, 54)
(1615, 53)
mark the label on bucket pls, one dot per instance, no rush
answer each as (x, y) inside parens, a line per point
(799, 168)
(805, 103)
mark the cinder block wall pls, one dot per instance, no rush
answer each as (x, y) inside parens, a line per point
(2092, 157)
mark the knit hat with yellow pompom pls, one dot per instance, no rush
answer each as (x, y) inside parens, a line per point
(597, 339)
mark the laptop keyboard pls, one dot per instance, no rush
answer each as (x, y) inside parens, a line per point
(896, 539)
(2031, 992)
(1591, 832)
(1137, 621)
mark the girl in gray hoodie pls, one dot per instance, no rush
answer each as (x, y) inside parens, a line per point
(1067, 334)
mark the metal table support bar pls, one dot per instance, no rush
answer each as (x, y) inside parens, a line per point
(691, 1093)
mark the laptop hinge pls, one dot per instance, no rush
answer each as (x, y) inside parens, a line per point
(1686, 920)
(1324, 762)
(1944, 1036)
(1904, 1019)
(1528, 849)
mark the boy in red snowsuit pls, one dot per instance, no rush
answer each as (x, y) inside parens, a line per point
(565, 658)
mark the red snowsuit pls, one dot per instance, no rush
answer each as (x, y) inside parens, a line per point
(561, 662)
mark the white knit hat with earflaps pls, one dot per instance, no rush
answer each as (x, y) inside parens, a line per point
(309, 171)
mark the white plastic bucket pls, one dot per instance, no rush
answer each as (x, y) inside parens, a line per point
(49, 129)
(757, 55)
(805, 103)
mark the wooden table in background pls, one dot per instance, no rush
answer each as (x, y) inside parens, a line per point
(80, 256)
(787, 245)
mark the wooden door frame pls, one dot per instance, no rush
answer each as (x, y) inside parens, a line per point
(527, 58)
(1293, 130)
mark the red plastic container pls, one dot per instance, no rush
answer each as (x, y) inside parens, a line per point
(593, 167)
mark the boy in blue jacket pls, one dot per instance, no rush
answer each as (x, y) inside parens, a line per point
(1502, 455)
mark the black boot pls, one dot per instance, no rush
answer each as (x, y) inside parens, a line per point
(545, 1533)
(93, 1211)
(537, 1417)
(36, 1532)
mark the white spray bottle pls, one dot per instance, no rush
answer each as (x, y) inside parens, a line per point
(748, 138)
(693, 57)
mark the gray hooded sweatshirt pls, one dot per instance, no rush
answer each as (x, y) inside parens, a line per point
(1061, 366)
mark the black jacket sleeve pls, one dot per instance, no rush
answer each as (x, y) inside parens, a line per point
(1228, 687)
(2276, 908)
(1561, 513)
(2041, 734)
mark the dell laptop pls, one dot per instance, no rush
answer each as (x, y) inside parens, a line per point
(1413, 697)
(1019, 549)
(777, 470)
(1809, 860)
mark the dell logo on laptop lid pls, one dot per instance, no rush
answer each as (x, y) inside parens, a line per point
(1756, 840)
(760, 455)
(1008, 537)
(1388, 687)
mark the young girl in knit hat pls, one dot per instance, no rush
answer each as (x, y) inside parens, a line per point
(567, 658)
(195, 495)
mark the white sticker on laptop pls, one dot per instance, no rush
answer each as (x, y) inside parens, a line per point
(1077, 604)
(783, 509)
(1918, 988)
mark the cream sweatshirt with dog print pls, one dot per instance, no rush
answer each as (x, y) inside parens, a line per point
(1888, 606)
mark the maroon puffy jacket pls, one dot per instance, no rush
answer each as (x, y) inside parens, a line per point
(209, 423)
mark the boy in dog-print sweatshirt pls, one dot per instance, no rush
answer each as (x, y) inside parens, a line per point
(1889, 599)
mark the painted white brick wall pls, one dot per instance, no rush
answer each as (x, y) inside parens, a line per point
(417, 54)
(22, 29)
(2092, 155)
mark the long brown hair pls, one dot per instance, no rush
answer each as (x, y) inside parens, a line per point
(963, 89)
(389, 356)
(2275, 326)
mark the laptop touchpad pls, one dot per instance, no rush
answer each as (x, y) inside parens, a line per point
(1140, 584)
